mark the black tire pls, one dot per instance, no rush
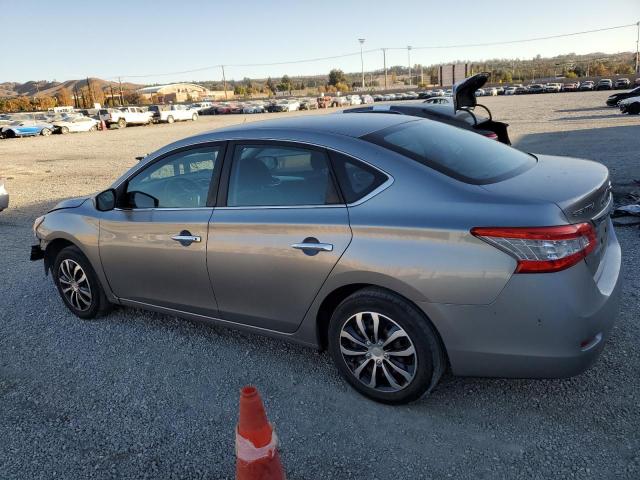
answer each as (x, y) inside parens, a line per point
(45, 132)
(94, 128)
(429, 360)
(99, 304)
(194, 117)
(9, 134)
(634, 109)
(122, 123)
(64, 130)
(170, 119)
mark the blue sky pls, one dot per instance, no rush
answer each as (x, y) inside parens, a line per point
(75, 39)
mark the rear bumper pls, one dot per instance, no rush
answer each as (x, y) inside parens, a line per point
(540, 326)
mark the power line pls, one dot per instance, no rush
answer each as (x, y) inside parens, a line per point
(352, 54)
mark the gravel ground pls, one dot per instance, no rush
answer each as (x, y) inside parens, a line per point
(141, 395)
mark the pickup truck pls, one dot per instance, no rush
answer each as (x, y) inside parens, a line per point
(125, 116)
(172, 113)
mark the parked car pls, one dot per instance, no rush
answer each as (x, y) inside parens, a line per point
(427, 248)
(77, 123)
(366, 99)
(570, 87)
(308, 104)
(172, 113)
(324, 101)
(458, 110)
(587, 85)
(510, 90)
(339, 101)
(491, 91)
(479, 92)
(123, 116)
(4, 196)
(552, 87)
(200, 106)
(604, 84)
(354, 99)
(26, 128)
(535, 88)
(439, 100)
(613, 100)
(622, 83)
(521, 90)
(630, 105)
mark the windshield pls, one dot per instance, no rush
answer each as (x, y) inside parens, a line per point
(458, 153)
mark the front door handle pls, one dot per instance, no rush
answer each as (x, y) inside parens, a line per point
(185, 238)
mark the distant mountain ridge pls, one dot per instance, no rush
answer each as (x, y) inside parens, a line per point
(44, 87)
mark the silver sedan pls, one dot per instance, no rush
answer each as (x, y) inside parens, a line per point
(404, 246)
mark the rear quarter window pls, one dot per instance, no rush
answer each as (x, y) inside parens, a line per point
(356, 179)
(458, 153)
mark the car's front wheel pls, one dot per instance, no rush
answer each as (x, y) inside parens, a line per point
(385, 347)
(170, 119)
(78, 284)
(45, 132)
(194, 117)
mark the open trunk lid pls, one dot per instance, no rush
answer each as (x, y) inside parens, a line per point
(581, 188)
(464, 92)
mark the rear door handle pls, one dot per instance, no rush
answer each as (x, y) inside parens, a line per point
(185, 238)
(318, 247)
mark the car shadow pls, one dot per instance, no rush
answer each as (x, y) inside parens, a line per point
(590, 117)
(587, 109)
(608, 145)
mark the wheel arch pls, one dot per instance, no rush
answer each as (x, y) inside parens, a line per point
(331, 301)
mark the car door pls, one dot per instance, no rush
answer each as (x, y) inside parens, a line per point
(277, 233)
(153, 245)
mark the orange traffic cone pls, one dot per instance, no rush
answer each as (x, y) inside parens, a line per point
(256, 442)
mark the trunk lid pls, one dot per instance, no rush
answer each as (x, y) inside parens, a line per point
(580, 188)
(464, 92)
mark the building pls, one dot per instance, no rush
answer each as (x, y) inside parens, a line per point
(182, 92)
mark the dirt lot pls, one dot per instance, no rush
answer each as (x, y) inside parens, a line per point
(139, 395)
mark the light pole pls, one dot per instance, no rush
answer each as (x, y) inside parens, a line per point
(384, 62)
(409, 58)
(361, 40)
(637, 46)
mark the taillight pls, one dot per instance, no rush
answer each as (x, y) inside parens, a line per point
(542, 249)
(491, 135)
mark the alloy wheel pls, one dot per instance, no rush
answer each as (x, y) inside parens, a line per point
(74, 285)
(378, 351)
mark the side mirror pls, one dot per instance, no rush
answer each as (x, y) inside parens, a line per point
(143, 200)
(106, 200)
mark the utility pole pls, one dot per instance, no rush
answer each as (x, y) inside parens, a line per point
(224, 82)
(361, 40)
(112, 95)
(409, 58)
(637, 47)
(384, 62)
(121, 96)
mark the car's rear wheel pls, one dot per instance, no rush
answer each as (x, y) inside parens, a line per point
(93, 128)
(194, 117)
(45, 132)
(78, 284)
(170, 119)
(122, 123)
(64, 130)
(385, 347)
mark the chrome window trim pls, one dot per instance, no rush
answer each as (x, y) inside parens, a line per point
(390, 180)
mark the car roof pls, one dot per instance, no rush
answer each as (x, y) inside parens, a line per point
(347, 125)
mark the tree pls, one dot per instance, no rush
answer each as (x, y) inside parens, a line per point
(63, 97)
(336, 76)
(270, 85)
(571, 74)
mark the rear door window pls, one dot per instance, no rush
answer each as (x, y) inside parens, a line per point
(356, 179)
(458, 153)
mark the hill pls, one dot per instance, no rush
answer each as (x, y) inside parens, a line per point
(46, 88)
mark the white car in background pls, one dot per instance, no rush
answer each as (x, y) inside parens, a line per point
(78, 123)
(198, 107)
(367, 99)
(339, 102)
(630, 105)
(510, 90)
(354, 99)
(124, 116)
(172, 113)
(491, 91)
(4, 196)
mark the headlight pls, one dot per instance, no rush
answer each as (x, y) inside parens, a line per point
(36, 224)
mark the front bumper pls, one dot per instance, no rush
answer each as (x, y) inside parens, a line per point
(36, 253)
(540, 326)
